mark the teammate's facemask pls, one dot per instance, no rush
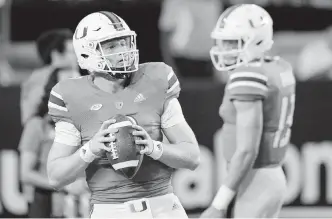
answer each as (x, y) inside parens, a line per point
(226, 52)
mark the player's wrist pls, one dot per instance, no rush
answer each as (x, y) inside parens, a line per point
(86, 154)
(157, 150)
(223, 198)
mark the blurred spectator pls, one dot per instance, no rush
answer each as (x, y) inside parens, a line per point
(56, 51)
(36, 141)
(185, 27)
(315, 59)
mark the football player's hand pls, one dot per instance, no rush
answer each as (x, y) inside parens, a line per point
(103, 136)
(145, 140)
(212, 212)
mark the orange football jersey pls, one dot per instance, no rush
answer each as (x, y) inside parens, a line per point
(82, 103)
(272, 82)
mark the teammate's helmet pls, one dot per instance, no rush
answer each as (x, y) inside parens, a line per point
(96, 29)
(249, 28)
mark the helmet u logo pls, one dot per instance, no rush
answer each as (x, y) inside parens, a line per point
(85, 31)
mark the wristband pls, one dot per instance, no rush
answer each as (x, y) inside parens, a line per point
(157, 150)
(223, 198)
(86, 154)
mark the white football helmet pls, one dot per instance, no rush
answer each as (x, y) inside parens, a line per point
(96, 29)
(249, 28)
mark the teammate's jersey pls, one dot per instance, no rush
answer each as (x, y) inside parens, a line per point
(80, 102)
(272, 82)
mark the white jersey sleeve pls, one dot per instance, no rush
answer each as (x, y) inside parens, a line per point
(172, 115)
(66, 133)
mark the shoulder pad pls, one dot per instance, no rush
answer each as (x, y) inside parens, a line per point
(156, 70)
(163, 73)
(71, 85)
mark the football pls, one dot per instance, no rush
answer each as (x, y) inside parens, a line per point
(124, 155)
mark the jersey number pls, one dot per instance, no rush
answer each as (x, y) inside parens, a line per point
(283, 134)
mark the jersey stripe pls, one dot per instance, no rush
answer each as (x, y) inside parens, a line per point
(249, 79)
(173, 82)
(56, 94)
(170, 75)
(176, 84)
(56, 99)
(248, 74)
(114, 19)
(54, 106)
(252, 84)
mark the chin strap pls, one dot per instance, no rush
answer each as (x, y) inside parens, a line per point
(120, 75)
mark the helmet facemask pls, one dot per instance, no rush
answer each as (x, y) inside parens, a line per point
(229, 53)
(118, 64)
(126, 61)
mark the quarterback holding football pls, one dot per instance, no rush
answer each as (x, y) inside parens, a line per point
(95, 114)
(257, 111)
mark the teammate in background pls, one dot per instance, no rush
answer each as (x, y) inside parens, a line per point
(257, 111)
(81, 109)
(57, 54)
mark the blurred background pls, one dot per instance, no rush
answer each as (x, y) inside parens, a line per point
(177, 32)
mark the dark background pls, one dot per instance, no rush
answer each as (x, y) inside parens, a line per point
(29, 20)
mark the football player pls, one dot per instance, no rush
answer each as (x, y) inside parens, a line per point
(257, 111)
(83, 107)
